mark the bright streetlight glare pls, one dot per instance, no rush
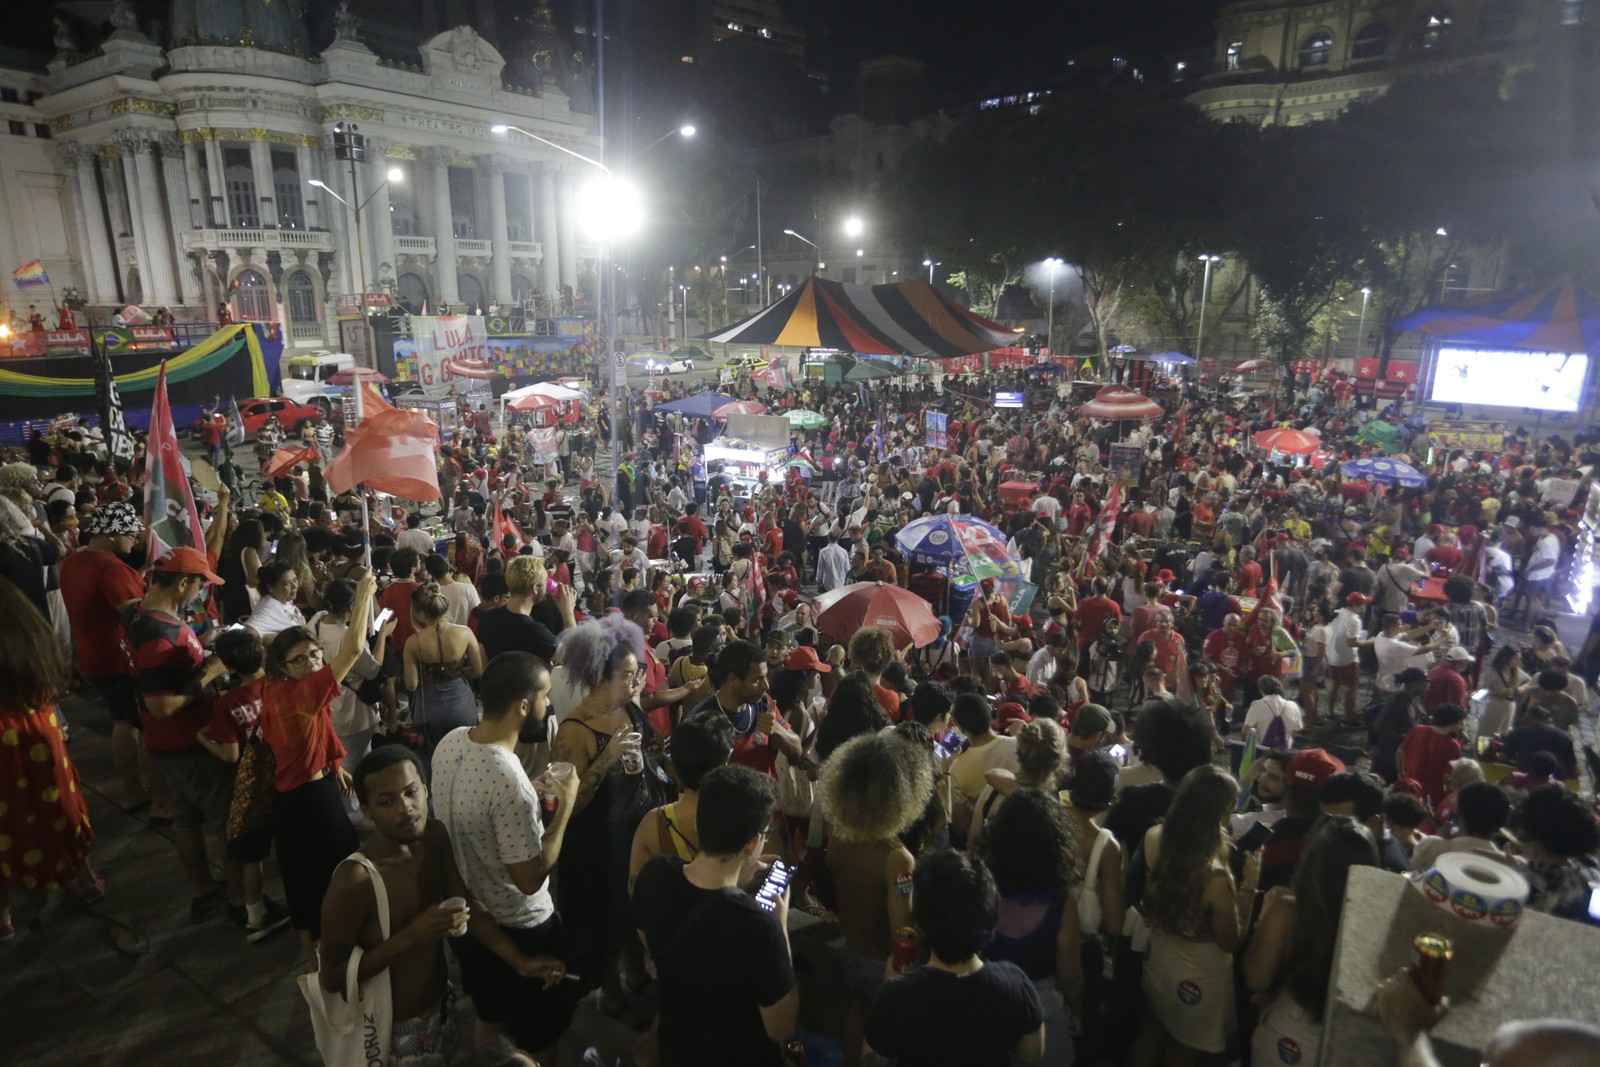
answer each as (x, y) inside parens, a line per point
(396, 174)
(611, 208)
(499, 127)
(318, 182)
(687, 130)
(853, 226)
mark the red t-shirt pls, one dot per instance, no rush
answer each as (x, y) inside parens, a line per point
(1092, 615)
(1169, 653)
(297, 724)
(397, 598)
(889, 700)
(1249, 578)
(1428, 756)
(94, 586)
(1226, 650)
(236, 713)
(166, 654)
(1445, 686)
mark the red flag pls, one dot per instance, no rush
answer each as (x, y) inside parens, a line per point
(1182, 420)
(1107, 522)
(501, 527)
(169, 508)
(392, 451)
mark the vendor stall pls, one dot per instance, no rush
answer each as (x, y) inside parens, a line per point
(749, 465)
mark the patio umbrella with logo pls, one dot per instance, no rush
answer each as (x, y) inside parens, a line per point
(803, 419)
(904, 614)
(1289, 442)
(1388, 471)
(962, 544)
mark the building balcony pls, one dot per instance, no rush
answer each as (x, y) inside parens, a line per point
(466, 246)
(409, 245)
(528, 249)
(271, 240)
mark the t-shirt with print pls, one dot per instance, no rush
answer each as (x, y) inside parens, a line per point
(717, 974)
(236, 714)
(296, 722)
(483, 796)
(94, 586)
(166, 654)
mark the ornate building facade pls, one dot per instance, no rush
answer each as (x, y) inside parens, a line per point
(202, 169)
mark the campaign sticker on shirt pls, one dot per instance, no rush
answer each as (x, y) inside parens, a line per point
(1288, 1050)
(1189, 992)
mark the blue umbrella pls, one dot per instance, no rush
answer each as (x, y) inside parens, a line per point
(963, 544)
(1390, 471)
(700, 406)
(1169, 357)
(1047, 368)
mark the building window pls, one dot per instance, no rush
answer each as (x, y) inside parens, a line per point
(240, 179)
(1436, 26)
(413, 291)
(18, 129)
(463, 203)
(471, 290)
(1316, 50)
(302, 295)
(1499, 19)
(41, 130)
(849, 275)
(1371, 41)
(1234, 54)
(251, 299)
(8, 95)
(1573, 12)
(1118, 63)
(286, 191)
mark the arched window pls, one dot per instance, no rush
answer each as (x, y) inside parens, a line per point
(253, 302)
(1371, 41)
(471, 290)
(1499, 19)
(1435, 28)
(301, 292)
(521, 288)
(413, 291)
(1316, 50)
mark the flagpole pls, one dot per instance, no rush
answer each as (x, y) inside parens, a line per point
(366, 517)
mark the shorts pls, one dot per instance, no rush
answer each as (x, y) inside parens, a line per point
(863, 974)
(534, 1017)
(981, 648)
(1344, 673)
(121, 694)
(202, 788)
(426, 1040)
(1541, 587)
(252, 846)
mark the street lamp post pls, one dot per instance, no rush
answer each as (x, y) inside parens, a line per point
(814, 247)
(1205, 295)
(1050, 322)
(930, 264)
(1361, 330)
(394, 175)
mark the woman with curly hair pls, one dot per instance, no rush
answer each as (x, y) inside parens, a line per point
(853, 710)
(1291, 951)
(1032, 851)
(1197, 919)
(1041, 754)
(44, 818)
(873, 788)
(603, 660)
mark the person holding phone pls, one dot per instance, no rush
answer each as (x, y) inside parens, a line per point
(728, 996)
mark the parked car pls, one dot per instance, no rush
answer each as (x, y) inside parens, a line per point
(751, 361)
(660, 364)
(291, 416)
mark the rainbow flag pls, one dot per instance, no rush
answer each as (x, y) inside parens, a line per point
(30, 274)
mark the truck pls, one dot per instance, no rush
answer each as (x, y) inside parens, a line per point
(306, 378)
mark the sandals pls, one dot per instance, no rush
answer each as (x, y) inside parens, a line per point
(94, 893)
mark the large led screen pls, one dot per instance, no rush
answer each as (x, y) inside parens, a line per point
(1545, 381)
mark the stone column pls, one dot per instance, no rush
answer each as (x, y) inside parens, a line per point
(376, 219)
(216, 187)
(266, 193)
(444, 266)
(197, 216)
(337, 215)
(99, 272)
(549, 266)
(177, 188)
(159, 231)
(305, 169)
(494, 169)
(566, 220)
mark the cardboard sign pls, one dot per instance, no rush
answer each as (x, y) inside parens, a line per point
(1474, 435)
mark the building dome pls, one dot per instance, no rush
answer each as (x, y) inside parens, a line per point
(274, 25)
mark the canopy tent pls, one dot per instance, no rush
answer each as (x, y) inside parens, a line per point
(1166, 357)
(1250, 366)
(699, 406)
(904, 319)
(866, 372)
(549, 389)
(1047, 368)
(1561, 317)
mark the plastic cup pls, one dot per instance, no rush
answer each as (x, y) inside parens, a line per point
(633, 753)
(455, 904)
(554, 773)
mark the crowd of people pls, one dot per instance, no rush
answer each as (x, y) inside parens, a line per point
(593, 734)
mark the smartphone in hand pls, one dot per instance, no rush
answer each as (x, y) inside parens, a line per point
(772, 888)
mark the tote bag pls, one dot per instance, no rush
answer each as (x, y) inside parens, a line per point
(356, 1029)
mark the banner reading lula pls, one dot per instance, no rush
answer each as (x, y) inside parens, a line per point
(445, 345)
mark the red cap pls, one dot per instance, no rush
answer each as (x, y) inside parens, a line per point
(1165, 575)
(805, 658)
(1308, 769)
(186, 561)
(1357, 598)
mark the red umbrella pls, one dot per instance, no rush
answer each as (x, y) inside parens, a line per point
(532, 401)
(355, 375)
(1289, 442)
(1122, 406)
(739, 407)
(285, 459)
(1106, 392)
(1252, 365)
(903, 613)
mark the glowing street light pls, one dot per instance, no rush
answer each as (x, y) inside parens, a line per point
(930, 264)
(854, 227)
(1050, 323)
(1205, 295)
(810, 242)
(394, 176)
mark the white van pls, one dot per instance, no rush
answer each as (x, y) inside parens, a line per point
(306, 374)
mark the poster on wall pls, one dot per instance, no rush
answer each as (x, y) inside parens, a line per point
(443, 344)
(938, 427)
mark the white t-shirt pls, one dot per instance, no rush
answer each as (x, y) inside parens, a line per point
(1345, 626)
(1394, 656)
(418, 540)
(1047, 506)
(1546, 554)
(1041, 667)
(484, 798)
(462, 598)
(1263, 711)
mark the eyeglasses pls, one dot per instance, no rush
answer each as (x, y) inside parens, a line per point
(306, 657)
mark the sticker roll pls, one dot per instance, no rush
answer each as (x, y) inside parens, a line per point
(1474, 889)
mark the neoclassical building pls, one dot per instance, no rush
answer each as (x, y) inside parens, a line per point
(1292, 61)
(186, 170)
